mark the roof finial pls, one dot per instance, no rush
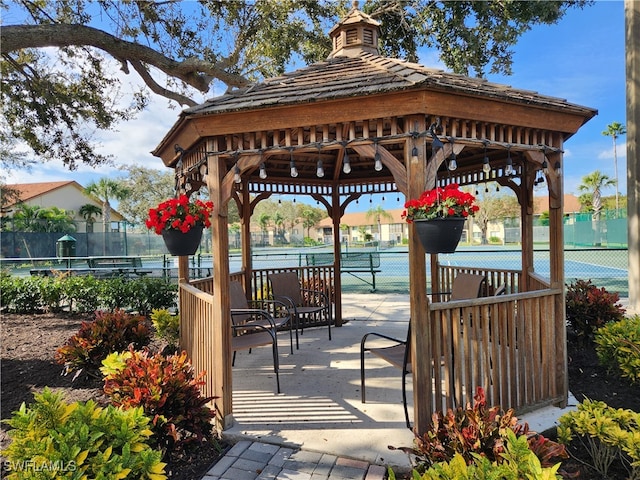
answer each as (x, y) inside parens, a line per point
(355, 4)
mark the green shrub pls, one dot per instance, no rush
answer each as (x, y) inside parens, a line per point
(478, 430)
(54, 440)
(109, 332)
(8, 292)
(588, 308)
(167, 326)
(618, 347)
(117, 293)
(516, 462)
(608, 434)
(81, 293)
(150, 293)
(51, 290)
(22, 295)
(167, 390)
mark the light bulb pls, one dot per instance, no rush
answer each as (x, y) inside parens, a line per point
(236, 175)
(508, 169)
(486, 167)
(453, 164)
(294, 170)
(319, 169)
(414, 155)
(558, 168)
(378, 164)
(545, 167)
(346, 164)
(263, 171)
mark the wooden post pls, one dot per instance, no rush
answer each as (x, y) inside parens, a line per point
(337, 250)
(220, 330)
(419, 305)
(556, 259)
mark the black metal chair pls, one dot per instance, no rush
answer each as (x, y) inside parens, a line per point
(398, 354)
(303, 302)
(252, 327)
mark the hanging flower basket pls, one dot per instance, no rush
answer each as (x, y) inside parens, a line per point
(180, 222)
(440, 235)
(439, 217)
(181, 244)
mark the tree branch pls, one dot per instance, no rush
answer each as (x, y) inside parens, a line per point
(193, 71)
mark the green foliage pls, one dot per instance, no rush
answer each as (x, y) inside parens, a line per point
(55, 440)
(517, 462)
(618, 347)
(150, 293)
(166, 388)
(20, 294)
(167, 325)
(607, 433)
(588, 308)
(117, 293)
(51, 290)
(477, 430)
(109, 332)
(79, 294)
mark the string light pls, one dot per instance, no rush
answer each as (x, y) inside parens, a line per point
(378, 160)
(263, 171)
(486, 167)
(319, 169)
(292, 167)
(236, 174)
(453, 164)
(509, 168)
(346, 162)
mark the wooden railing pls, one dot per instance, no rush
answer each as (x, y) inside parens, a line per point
(495, 278)
(317, 277)
(196, 335)
(506, 344)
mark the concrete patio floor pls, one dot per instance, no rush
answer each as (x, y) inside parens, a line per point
(319, 408)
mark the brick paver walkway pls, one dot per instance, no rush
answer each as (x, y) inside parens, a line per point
(248, 460)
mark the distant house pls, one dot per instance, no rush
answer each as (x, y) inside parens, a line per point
(67, 195)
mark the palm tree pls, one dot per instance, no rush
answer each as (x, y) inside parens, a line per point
(106, 190)
(88, 212)
(614, 130)
(593, 184)
(378, 213)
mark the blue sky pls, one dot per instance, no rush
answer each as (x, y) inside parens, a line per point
(580, 59)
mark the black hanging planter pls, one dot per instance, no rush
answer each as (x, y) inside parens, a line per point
(181, 244)
(440, 235)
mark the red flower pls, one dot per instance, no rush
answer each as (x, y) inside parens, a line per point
(449, 201)
(179, 214)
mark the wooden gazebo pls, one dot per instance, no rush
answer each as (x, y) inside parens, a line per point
(372, 122)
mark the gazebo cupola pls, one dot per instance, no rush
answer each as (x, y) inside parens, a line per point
(354, 34)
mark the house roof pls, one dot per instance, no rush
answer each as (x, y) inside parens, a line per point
(29, 191)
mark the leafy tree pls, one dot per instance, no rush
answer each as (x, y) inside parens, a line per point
(310, 216)
(106, 190)
(33, 218)
(147, 188)
(50, 96)
(593, 184)
(614, 130)
(89, 211)
(494, 206)
(264, 220)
